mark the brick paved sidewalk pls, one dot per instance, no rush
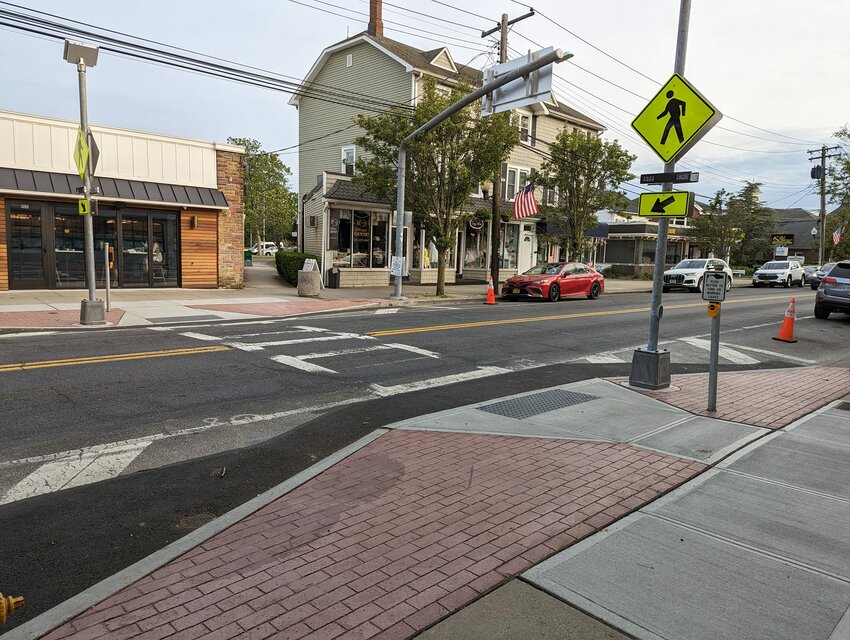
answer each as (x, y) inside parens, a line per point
(50, 319)
(771, 398)
(385, 543)
(295, 307)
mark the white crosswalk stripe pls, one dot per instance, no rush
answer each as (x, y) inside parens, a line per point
(74, 471)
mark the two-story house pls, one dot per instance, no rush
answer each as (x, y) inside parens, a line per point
(348, 229)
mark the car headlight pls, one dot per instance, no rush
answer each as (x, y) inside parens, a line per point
(538, 282)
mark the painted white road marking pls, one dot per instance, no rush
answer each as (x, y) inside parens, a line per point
(781, 356)
(480, 372)
(303, 365)
(344, 352)
(412, 349)
(725, 352)
(603, 358)
(200, 336)
(259, 346)
(75, 471)
(380, 312)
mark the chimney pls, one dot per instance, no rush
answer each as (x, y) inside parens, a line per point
(376, 23)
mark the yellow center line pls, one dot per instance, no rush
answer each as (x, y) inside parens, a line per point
(564, 316)
(116, 357)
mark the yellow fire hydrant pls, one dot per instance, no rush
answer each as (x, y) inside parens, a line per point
(8, 605)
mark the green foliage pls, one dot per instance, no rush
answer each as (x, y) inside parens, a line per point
(838, 173)
(616, 271)
(444, 165)
(289, 263)
(587, 172)
(270, 206)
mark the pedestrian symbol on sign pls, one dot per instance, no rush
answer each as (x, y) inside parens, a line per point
(676, 110)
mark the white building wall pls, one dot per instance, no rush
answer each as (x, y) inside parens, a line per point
(46, 144)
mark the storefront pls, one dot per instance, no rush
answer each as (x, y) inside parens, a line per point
(154, 233)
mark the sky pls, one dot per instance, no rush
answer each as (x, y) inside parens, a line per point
(776, 69)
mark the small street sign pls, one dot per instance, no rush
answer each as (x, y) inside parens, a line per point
(531, 89)
(81, 154)
(676, 177)
(675, 119)
(396, 266)
(95, 153)
(714, 286)
(666, 204)
(84, 207)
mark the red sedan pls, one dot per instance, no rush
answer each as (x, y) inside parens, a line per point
(555, 280)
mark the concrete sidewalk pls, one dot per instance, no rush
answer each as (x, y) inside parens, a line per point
(265, 295)
(427, 525)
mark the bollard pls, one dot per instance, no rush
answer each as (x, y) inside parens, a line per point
(8, 605)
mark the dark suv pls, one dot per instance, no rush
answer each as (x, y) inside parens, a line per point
(834, 291)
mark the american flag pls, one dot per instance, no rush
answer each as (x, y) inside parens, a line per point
(524, 203)
(836, 235)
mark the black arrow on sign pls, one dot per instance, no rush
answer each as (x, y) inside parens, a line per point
(660, 204)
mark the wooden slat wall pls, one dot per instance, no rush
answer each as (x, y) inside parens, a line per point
(4, 241)
(199, 250)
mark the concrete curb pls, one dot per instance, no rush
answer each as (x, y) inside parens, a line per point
(62, 613)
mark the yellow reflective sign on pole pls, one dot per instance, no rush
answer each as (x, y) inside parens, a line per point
(713, 308)
(84, 207)
(666, 204)
(675, 119)
(81, 154)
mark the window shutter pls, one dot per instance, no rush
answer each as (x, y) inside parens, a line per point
(533, 131)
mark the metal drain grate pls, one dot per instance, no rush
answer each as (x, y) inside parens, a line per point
(533, 405)
(844, 406)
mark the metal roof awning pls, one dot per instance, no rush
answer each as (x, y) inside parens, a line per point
(27, 182)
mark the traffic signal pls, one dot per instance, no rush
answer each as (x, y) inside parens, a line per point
(817, 172)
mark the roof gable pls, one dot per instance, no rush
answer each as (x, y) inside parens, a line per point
(442, 59)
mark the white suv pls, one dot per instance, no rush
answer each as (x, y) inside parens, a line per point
(269, 248)
(688, 274)
(784, 272)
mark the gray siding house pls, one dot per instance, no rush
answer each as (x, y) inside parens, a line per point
(352, 233)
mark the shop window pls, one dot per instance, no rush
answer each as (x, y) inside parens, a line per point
(475, 256)
(164, 250)
(379, 240)
(358, 238)
(361, 239)
(510, 245)
(68, 248)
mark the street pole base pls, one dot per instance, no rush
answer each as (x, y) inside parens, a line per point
(92, 312)
(650, 369)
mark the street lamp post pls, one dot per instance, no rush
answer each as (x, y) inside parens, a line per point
(92, 311)
(815, 235)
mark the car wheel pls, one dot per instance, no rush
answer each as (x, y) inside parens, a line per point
(802, 281)
(699, 286)
(821, 313)
(788, 282)
(814, 287)
(593, 294)
(554, 293)
(728, 284)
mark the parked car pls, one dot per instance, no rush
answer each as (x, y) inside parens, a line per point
(784, 272)
(809, 274)
(555, 280)
(834, 291)
(820, 272)
(688, 274)
(269, 248)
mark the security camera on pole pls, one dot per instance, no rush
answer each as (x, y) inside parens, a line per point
(91, 310)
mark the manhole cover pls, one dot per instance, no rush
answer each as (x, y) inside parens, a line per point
(538, 403)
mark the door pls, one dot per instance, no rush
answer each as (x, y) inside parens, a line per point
(27, 253)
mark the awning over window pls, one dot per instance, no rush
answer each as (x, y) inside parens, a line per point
(111, 189)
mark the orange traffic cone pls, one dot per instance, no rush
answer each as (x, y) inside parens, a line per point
(786, 331)
(491, 293)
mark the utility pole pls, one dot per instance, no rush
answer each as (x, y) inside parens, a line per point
(821, 174)
(496, 222)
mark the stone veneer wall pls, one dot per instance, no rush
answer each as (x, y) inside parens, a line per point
(231, 228)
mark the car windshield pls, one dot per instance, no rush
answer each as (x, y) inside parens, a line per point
(825, 268)
(548, 269)
(775, 265)
(690, 264)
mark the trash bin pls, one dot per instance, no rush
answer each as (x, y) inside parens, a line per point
(309, 283)
(333, 278)
(249, 257)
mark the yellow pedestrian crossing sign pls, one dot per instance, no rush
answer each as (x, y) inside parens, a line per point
(666, 204)
(675, 119)
(81, 154)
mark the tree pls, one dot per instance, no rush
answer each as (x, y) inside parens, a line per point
(580, 169)
(838, 185)
(755, 222)
(716, 230)
(444, 165)
(270, 206)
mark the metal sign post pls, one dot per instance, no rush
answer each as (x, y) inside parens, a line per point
(108, 275)
(714, 290)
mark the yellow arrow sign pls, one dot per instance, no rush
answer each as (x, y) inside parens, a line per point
(81, 154)
(84, 207)
(666, 204)
(675, 119)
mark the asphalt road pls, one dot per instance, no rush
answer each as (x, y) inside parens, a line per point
(192, 432)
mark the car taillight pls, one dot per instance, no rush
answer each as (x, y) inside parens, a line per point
(828, 280)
